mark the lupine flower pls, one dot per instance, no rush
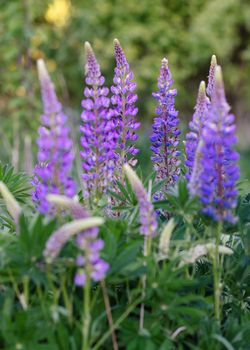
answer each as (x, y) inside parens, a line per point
(196, 252)
(88, 262)
(58, 239)
(125, 111)
(217, 182)
(147, 214)
(211, 76)
(165, 238)
(195, 171)
(55, 153)
(98, 130)
(80, 278)
(165, 136)
(196, 127)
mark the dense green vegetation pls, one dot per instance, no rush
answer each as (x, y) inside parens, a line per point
(187, 32)
(42, 309)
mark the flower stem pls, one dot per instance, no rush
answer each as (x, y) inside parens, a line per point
(216, 274)
(117, 323)
(109, 314)
(86, 315)
(66, 299)
(146, 252)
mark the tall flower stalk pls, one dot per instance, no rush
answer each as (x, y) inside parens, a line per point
(218, 171)
(165, 136)
(193, 137)
(125, 111)
(55, 153)
(147, 215)
(89, 264)
(99, 137)
(148, 223)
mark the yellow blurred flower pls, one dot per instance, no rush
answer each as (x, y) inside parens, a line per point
(20, 91)
(51, 64)
(36, 53)
(58, 12)
(36, 40)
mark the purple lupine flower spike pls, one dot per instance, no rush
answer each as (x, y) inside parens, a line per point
(211, 76)
(98, 138)
(55, 153)
(88, 262)
(147, 214)
(165, 136)
(58, 238)
(196, 126)
(217, 182)
(125, 111)
(195, 171)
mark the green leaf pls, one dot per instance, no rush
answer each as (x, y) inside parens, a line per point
(223, 341)
(127, 256)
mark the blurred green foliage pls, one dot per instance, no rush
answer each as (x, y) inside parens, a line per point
(187, 32)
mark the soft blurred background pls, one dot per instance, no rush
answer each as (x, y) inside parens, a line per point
(187, 32)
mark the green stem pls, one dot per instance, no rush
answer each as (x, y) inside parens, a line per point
(146, 252)
(116, 324)
(149, 245)
(41, 299)
(26, 289)
(66, 299)
(109, 315)
(16, 289)
(55, 291)
(86, 315)
(216, 274)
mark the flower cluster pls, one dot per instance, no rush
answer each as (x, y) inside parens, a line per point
(55, 153)
(219, 171)
(193, 137)
(88, 262)
(165, 136)
(196, 127)
(108, 133)
(211, 76)
(58, 239)
(147, 215)
(124, 108)
(99, 137)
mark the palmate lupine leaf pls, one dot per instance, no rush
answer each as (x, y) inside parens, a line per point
(19, 186)
(179, 201)
(22, 253)
(17, 183)
(126, 196)
(33, 236)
